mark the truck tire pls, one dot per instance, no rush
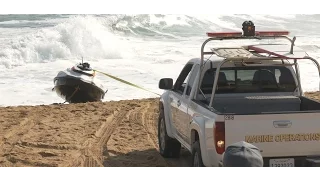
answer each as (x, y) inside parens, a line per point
(196, 155)
(168, 147)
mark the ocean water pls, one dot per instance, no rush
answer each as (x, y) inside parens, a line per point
(137, 48)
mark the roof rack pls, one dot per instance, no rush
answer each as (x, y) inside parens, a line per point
(244, 54)
(236, 36)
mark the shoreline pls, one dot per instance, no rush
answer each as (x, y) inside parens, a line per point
(312, 94)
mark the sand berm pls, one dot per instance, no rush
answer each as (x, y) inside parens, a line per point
(116, 133)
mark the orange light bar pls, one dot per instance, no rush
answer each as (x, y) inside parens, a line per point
(272, 33)
(224, 34)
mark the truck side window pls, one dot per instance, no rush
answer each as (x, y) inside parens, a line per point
(192, 78)
(181, 80)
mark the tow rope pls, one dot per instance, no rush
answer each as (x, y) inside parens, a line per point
(125, 82)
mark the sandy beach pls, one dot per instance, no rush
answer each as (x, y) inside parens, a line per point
(116, 133)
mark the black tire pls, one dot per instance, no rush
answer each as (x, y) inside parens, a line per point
(171, 147)
(196, 155)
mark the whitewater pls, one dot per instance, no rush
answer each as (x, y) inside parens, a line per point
(141, 49)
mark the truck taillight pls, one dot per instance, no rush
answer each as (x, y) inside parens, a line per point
(219, 137)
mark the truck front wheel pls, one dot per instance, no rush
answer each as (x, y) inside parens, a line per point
(196, 155)
(168, 147)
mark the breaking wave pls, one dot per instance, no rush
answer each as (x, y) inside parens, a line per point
(43, 38)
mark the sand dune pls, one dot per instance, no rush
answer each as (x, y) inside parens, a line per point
(122, 133)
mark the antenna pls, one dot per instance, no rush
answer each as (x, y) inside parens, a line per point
(82, 59)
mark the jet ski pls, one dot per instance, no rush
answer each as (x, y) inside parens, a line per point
(78, 84)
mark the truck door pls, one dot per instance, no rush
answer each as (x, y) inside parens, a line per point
(178, 107)
(185, 104)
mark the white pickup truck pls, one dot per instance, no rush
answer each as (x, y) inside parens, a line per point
(248, 93)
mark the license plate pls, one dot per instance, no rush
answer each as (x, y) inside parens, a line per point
(289, 162)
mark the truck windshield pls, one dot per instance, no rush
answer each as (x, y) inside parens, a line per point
(250, 80)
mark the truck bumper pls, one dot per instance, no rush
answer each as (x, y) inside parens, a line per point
(312, 161)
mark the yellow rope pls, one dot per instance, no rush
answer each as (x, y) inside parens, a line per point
(126, 82)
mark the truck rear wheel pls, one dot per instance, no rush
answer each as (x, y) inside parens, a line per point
(196, 155)
(168, 146)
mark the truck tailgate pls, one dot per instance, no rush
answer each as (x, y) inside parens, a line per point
(277, 135)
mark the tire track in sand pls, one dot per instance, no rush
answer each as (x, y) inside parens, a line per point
(12, 137)
(92, 152)
(131, 143)
(149, 116)
(122, 133)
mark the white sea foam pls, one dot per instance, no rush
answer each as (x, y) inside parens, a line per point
(138, 48)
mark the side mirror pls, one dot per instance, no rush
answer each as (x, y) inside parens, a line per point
(166, 83)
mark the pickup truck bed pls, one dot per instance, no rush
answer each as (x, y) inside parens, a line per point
(263, 104)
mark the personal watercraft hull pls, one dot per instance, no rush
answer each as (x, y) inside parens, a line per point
(75, 90)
